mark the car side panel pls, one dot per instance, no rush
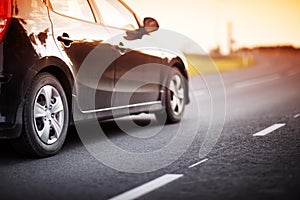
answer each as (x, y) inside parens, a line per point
(138, 75)
(89, 55)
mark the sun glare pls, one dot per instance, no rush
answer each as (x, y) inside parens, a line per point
(251, 22)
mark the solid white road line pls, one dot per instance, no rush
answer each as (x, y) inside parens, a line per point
(198, 163)
(257, 81)
(269, 130)
(147, 187)
(296, 116)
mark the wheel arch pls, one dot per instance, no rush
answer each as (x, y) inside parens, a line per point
(179, 64)
(61, 72)
(62, 78)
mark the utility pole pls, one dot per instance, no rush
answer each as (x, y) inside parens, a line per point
(230, 40)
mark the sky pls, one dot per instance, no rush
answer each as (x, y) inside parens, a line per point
(254, 22)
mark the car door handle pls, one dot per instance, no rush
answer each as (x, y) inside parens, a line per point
(65, 38)
(120, 47)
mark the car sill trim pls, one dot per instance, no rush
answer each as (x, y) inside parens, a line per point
(122, 107)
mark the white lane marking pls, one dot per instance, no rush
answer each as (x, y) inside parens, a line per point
(269, 130)
(198, 163)
(257, 81)
(293, 72)
(296, 116)
(147, 187)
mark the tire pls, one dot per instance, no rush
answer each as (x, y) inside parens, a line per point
(175, 99)
(45, 118)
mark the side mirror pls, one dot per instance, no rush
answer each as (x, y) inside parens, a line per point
(150, 25)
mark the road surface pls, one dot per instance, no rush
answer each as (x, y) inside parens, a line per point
(256, 156)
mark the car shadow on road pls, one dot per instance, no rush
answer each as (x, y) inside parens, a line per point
(110, 127)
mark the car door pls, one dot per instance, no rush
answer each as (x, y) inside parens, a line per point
(135, 72)
(81, 40)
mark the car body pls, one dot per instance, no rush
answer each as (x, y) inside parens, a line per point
(43, 44)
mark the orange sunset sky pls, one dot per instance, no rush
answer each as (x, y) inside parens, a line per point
(255, 22)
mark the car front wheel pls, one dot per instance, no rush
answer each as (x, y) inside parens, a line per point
(45, 118)
(174, 99)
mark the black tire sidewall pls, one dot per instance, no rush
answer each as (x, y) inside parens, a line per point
(39, 147)
(171, 116)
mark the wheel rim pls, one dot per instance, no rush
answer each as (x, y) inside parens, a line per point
(48, 114)
(177, 94)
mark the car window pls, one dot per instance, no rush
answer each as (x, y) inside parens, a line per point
(116, 15)
(79, 9)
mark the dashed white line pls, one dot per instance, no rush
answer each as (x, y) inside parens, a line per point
(147, 187)
(257, 81)
(198, 163)
(296, 116)
(269, 130)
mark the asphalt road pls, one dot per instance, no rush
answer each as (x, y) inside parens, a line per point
(240, 165)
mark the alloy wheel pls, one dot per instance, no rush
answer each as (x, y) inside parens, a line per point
(48, 114)
(177, 94)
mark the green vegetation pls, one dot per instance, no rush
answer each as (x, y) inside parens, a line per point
(205, 64)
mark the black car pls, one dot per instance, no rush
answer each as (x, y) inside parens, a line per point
(43, 44)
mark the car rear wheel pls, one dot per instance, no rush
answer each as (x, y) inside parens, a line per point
(45, 118)
(174, 99)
